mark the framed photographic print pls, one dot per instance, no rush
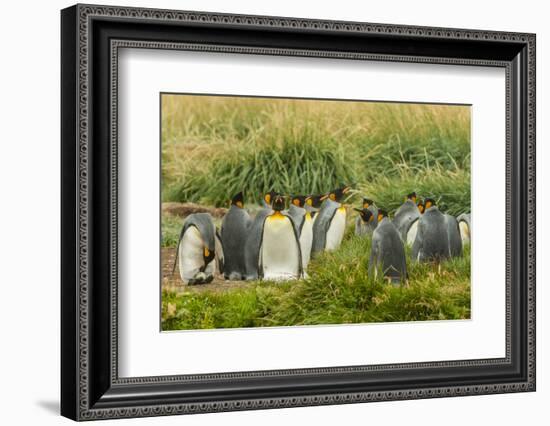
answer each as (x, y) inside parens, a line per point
(263, 212)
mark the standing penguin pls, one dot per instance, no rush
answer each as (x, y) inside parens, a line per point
(233, 237)
(387, 251)
(406, 214)
(432, 238)
(253, 241)
(464, 221)
(268, 198)
(280, 255)
(412, 230)
(453, 231)
(314, 204)
(304, 225)
(330, 222)
(363, 222)
(196, 249)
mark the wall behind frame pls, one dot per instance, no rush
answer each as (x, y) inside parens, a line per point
(29, 217)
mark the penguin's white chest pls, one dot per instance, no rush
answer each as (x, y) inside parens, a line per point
(464, 232)
(306, 240)
(411, 233)
(336, 229)
(190, 255)
(280, 253)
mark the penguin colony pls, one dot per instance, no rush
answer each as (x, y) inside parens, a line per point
(278, 242)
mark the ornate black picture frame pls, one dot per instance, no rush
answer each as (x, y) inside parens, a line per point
(91, 36)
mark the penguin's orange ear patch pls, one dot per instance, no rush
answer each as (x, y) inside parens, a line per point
(296, 202)
(309, 201)
(206, 252)
(239, 204)
(380, 217)
(332, 196)
(267, 198)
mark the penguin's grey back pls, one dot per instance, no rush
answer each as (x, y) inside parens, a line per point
(455, 241)
(204, 223)
(253, 244)
(432, 238)
(233, 235)
(405, 215)
(322, 224)
(388, 252)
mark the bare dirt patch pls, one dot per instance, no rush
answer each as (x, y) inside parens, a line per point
(173, 282)
(185, 209)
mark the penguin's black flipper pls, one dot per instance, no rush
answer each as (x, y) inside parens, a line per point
(374, 253)
(297, 236)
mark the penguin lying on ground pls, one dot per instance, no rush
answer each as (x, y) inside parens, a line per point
(405, 215)
(432, 238)
(453, 231)
(196, 250)
(304, 225)
(280, 255)
(253, 241)
(330, 222)
(464, 221)
(233, 236)
(387, 251)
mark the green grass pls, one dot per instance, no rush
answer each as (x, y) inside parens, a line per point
(213, 147)
(338, 291)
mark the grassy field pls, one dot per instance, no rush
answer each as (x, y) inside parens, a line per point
(213, 147)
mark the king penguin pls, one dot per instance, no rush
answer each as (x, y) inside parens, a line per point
(233, 237)
(432, 239)
(280, 255)
(406, 214)
(314, 204)
(387, 251)
(304, 225)
(330, 222)
(196, 249)
(254, 237)
(365, 223)
(453, 231)
(464, 221)
(412, 230)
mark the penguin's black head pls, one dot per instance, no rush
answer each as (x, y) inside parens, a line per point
(366, 215)
(367, 203)
(315, 200)
(429, 202)
(278, 203)
(412, 197)
(338, 193)
(238, 200)
(208, 256)
(420, 206)
(268, 197)
(382, 214)
(299, 200)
